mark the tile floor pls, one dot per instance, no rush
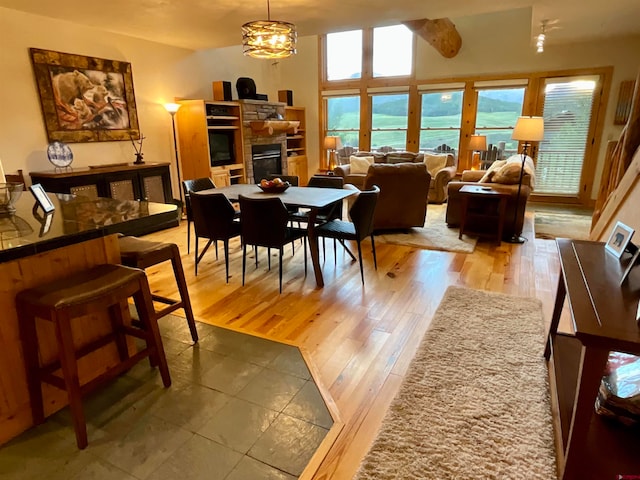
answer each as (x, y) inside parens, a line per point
(239, 408)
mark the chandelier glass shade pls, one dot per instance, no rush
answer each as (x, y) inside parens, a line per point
(269, 38)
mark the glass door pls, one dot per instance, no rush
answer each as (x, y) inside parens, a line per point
(568, 111)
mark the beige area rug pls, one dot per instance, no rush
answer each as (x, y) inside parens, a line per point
(435, 235)
(553, 225)
(474, 403)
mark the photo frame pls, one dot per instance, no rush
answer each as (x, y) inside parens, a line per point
(632, 262)
(85, 99)
(42, 198)
(619, 239)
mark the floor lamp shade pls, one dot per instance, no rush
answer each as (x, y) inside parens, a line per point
(527, 129)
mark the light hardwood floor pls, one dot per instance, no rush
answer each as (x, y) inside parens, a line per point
(360, 339)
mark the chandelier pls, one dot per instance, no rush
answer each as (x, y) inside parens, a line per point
(269, 38)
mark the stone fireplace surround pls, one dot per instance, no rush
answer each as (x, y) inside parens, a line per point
(254, 110)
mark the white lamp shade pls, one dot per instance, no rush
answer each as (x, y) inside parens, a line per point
(529, 129)
(478, 142)
(332, 143)
(172, 107)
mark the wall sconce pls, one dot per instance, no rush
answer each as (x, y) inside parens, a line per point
(332, 144)
(477, 143)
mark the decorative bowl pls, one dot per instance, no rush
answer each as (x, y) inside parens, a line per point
(275, 188)
(9, 194)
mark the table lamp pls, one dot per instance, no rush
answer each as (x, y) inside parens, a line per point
(527, 129)
(332, 144)
(477, 143)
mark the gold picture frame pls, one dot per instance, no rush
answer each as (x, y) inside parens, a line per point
(85, 99)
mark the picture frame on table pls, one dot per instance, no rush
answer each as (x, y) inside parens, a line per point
(619, 239)
(630, 265)
(85, 99)
(42, 199)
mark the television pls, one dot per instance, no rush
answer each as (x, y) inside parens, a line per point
(221, 148)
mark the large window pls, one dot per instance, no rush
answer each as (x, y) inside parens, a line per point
(568, 105)
(343, 119)
(392, 51)
(344, 55)
(440, 119)
(497, 112)
(389, 119)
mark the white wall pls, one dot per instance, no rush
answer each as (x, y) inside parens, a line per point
(159, 73)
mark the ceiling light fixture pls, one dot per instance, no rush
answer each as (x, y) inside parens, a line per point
(269, 38)
(542, 36)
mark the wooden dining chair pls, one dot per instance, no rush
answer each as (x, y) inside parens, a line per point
(214, 218)
(264, 223)
(194, 185)
(360, 227)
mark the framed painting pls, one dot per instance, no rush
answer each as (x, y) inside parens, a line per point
(85, 99)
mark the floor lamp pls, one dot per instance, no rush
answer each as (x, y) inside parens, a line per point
(527, 129)
(172, 108)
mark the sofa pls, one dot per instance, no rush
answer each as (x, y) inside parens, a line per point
(442, 169)
(404, 189)
(501, 177)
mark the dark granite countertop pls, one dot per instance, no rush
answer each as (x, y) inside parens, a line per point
(76, 219)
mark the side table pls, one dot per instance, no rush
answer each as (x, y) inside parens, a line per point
(482, 207)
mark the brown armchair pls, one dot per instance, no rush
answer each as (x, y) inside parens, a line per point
(440, 178)
(404, 189)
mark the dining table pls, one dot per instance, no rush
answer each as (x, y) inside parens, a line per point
(313, 198)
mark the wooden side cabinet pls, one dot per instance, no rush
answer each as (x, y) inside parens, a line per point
(297, 145)
(150, 181)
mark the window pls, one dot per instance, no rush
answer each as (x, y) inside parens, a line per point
(440, 119)
(389, 118)
(497, 112)
(344, 55)
(567, 111)
(392, 51)
(343, 119)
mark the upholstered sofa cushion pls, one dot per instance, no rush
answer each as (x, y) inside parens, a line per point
(360, 165)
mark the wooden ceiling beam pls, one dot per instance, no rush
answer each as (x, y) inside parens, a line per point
(441, 34)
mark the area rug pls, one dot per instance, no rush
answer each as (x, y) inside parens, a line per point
(435, 235)
(552, 225)
(474, 403)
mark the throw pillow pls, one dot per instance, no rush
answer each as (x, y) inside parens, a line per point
(509, 174)
(360, 165)
(495, 166)
(529, 169)
(435, 163)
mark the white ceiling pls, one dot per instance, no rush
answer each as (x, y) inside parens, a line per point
(202, 24)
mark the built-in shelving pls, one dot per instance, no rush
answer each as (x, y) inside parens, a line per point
(297, 144)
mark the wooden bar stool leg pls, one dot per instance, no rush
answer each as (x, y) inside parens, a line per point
(29, 340)
(70, 374)
(116, 315)
(147, 315)
(183, 291)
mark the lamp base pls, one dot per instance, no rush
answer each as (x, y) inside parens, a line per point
(516, 239)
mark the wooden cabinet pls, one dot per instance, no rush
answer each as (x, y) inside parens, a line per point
(210, 141)
(297, 145)
(149, 181)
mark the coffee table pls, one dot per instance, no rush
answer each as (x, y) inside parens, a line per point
(482, 206)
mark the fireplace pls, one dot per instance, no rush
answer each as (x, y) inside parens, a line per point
(266, 160)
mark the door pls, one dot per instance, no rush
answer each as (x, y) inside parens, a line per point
(569, 111)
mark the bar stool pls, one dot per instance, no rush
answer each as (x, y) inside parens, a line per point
(138, 253)
(98, 289)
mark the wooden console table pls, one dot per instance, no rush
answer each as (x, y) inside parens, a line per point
(603, 315)
(148, 181)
